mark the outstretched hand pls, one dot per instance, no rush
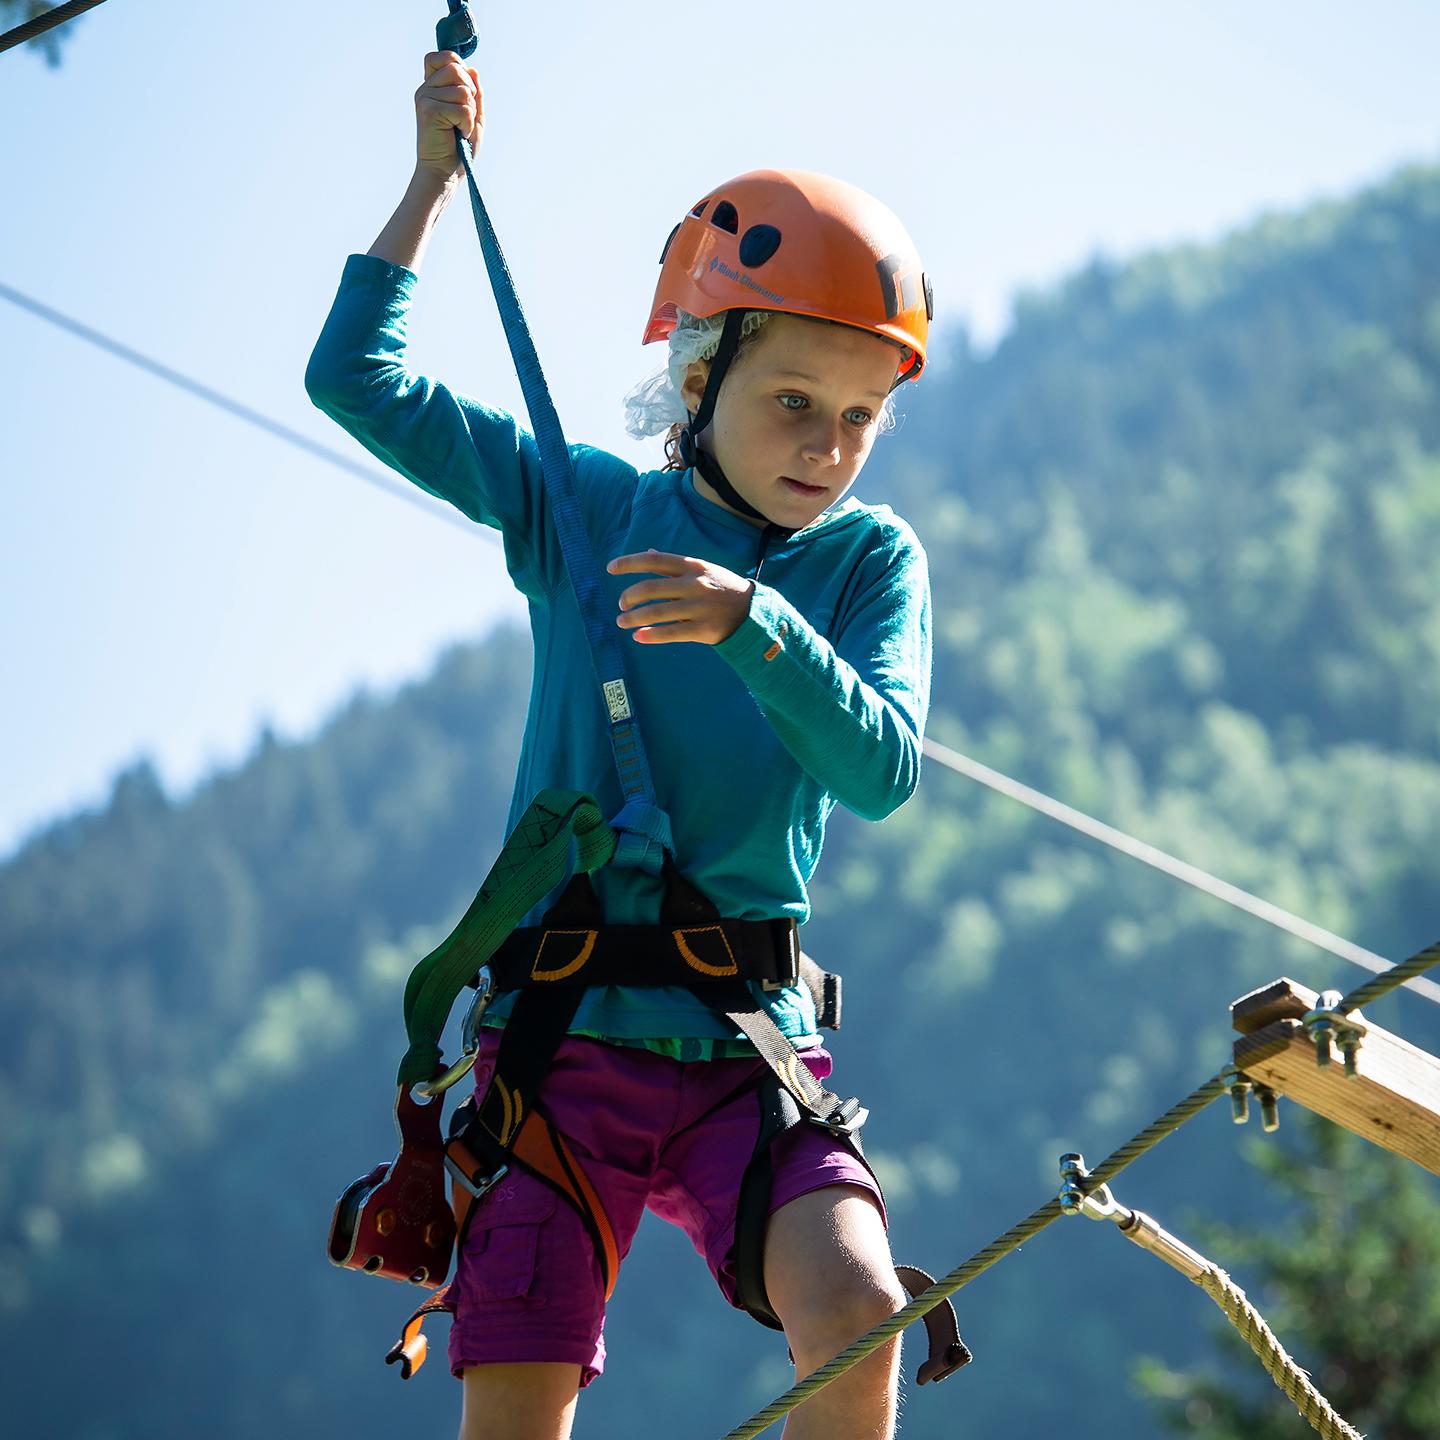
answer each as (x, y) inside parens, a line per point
(692, 600)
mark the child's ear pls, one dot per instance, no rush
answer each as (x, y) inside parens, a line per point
(692, 388)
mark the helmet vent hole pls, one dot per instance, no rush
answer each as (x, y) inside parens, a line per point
(758, 244)
(699, 210)
(726, 217)
(668, 240)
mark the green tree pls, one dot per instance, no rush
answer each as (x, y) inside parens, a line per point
(1348, 1286)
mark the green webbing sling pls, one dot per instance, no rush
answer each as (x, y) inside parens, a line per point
(535, 859)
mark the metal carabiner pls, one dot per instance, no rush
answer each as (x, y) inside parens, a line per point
(469, 1040)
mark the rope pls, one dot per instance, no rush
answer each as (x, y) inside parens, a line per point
(1283, 1370)
(1402, 974)
(978, 1263)
(1176, 869)
(46, 20)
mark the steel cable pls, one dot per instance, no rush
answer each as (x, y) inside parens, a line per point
(978, 1263)
(47, 20)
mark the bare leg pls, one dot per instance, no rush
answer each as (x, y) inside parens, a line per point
(830, 1278)
(519, 1402)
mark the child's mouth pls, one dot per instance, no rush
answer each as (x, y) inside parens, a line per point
(802, 489)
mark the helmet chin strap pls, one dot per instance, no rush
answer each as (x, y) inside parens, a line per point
(703, 461)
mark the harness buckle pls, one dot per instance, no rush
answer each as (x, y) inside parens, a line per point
(787, 952)
(477, 1189)
(845, 1121)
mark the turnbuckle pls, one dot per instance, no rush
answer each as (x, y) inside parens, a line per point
(1135, 1225)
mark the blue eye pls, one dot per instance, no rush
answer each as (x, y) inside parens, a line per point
(791, 396)
(860, 417)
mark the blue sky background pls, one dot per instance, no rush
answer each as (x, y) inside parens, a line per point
(192, 178)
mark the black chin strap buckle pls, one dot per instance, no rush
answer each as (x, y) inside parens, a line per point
(687, 446)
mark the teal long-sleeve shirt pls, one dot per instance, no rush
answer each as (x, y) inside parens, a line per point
(819, 697)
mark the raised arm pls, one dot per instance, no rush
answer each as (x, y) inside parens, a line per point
(477, 458)
(449, 99)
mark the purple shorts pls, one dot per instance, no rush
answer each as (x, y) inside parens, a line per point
(651, 1132)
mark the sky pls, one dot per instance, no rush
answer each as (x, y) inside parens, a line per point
(190, 180)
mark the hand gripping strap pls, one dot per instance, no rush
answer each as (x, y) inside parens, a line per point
(535, 859)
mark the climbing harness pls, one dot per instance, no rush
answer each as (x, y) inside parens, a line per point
(394, 1221)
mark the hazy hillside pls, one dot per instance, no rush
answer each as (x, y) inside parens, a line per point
(1182, 525)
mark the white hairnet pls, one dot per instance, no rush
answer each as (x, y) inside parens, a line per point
(654, 405)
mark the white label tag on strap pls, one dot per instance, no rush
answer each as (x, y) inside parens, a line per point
(617, 700)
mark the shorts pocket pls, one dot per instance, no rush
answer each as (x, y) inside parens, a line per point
(503, 1238)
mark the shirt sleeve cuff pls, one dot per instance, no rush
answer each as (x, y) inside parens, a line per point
(773, 622)
(373, 273)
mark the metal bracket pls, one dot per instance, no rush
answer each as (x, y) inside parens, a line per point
(1328, 1025)
(1241, 1086)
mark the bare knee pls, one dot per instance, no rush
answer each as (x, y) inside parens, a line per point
(519, 1402)
(838, 1311)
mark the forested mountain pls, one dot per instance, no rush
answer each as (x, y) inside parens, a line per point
(1181, 522)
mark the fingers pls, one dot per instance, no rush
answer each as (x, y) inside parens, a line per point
(647, 592)
(685, 631)
(445, 60)
(654, 562)
(665, 612)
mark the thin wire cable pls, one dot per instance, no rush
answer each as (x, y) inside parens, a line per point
(981, 1261)
(46, 20)
(952, 759)
(1178, 869)
(275, 428)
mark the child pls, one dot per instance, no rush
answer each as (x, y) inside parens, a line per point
(763, 704)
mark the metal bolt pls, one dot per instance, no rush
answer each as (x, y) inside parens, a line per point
(1269, 1109)
(1240, 1101)
(1072, 1197)
(385, 1222)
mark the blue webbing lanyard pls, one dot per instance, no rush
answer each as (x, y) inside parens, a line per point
(645, 836)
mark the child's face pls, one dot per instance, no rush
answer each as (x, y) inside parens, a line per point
(797, 414)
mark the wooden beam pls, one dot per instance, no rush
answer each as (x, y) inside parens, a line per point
(1393, 1099)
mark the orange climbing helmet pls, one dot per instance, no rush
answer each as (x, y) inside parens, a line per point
(802, 244)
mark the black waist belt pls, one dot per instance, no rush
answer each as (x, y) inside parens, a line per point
(767, 951)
